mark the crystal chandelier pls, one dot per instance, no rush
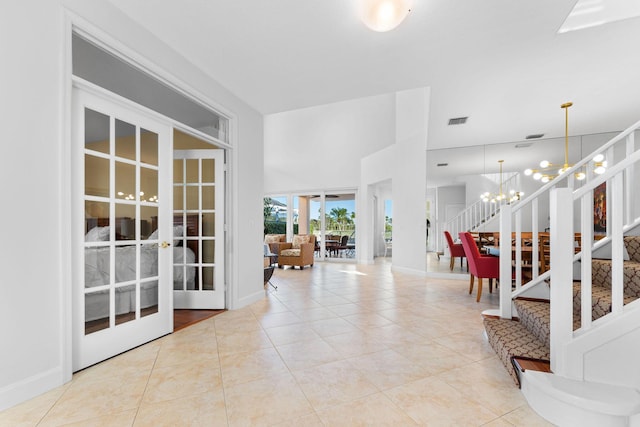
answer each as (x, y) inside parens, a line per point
(500, 196)
(548, 171)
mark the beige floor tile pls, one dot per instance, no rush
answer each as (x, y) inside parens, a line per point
(433, 357)
(267, 401)
(331, 337)
(329, 327)
(333, 383)
(196, 349)
(85, 400)
(355, 344)
(347, 309)
(243, 342)
(472, 344)
(273, 320)
(487, 382)
(32, 411)
(388, 368)
(123, 419)
(307, 354)
(431, 401)
(524, 416)
(373, 410)
(367, 320)
(290, 334)
(306, 421)
(176, 381)
(239, 368)
(499, 422)
(206, 409)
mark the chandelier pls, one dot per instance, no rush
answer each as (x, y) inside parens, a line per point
(384, 15)
(548, 171)
(500, 196)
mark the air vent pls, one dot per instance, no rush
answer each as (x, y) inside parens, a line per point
(535, 136)
(442, 164)
(524, 145)
(458, 121)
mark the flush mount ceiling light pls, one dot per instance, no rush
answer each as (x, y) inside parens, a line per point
(384, 15)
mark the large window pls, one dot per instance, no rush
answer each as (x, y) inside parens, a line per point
(275, 215)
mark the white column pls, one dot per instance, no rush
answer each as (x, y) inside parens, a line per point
(409, 182)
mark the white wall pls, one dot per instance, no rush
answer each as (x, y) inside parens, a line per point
(321, 147)
(375, 170)
(35, 287)
(409, 185)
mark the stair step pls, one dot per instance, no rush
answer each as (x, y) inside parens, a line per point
(511, 339)
(601, 273)
(600, 300)
(534, 315)
(565, 401)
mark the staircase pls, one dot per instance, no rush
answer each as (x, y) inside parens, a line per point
(580, 319)
(480, 213)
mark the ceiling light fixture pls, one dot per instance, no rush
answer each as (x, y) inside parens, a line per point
(548, 171)
(384, 15)
(501, 197)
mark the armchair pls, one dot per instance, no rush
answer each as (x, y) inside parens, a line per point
(297, 253)
(274, 241)
(480, 266)
(456, 250)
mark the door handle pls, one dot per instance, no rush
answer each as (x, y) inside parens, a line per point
(165, 245)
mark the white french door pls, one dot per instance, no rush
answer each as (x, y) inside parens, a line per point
(198, 220)
(122, 226)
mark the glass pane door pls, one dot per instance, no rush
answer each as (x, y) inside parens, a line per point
(198, 226)
(121, 298)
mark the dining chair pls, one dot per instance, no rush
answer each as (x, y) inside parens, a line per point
(480, 266)
(456, 250)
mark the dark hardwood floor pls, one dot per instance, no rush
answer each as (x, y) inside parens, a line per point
(184, 318)
(181, 318)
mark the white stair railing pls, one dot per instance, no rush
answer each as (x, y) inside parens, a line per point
(566, 195)
(479, 213)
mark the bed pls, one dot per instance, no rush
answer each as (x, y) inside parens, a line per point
(97, 274)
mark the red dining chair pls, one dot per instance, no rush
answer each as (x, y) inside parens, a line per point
(456, 251)
(480, 266)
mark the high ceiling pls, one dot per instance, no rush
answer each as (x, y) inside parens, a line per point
(502, 63)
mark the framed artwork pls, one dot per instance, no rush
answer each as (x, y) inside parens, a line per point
(600, 208)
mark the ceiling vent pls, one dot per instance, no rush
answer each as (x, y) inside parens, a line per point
(534, 136)
(458, 121)
(442, 164)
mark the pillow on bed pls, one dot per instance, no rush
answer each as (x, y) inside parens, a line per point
(178, 231)
(97, 234)
(154, 235)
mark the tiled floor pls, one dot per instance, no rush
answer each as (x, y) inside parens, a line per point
(335, 345)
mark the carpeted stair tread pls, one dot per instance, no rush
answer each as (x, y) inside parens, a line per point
(534, 315)
(510, 339)
(600, 300)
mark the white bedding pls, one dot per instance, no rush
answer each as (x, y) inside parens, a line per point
(97, 274)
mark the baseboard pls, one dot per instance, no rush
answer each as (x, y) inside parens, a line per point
(249, 299)
(406, 270)
(29, 388)
(449, 276)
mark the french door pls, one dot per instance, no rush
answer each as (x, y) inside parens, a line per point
(122, 227)
(198, 221)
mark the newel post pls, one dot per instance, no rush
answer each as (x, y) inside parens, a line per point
(562, 251)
